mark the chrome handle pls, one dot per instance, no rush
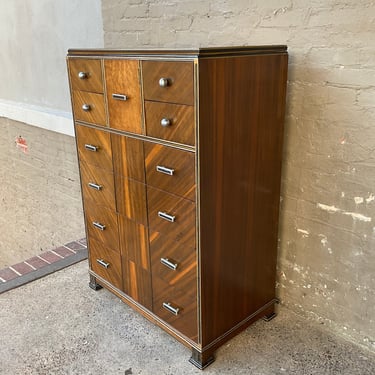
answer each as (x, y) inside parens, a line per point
(98, 225)
(82, 75)
(169, 264)
(170, 308)
(91, 148)
(167, 217)
(163, 82)
(165, 122)
(165, 170)
(119, 97)
(102, 263)
(86, 107)
(95, 186)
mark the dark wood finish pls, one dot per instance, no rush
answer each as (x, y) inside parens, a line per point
(93, 69)
(122, 77)
(181, 128)
(242, 102)
(96, 114)
(182, 182)
(181, 81)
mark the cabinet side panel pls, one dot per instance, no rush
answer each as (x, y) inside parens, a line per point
(241, 101)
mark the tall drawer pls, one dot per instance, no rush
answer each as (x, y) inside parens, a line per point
(89, 107)
(86, 75)
(98, 186)
(173, 122)
(172, 216)
(170, 169)
(105, 262)
(94, 146)
(168, 81)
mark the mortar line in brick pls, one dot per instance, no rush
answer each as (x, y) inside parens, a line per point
(56, 254)
(44, 260)
(69, 249)
(30, 265)
(2, 280)
(11, 268)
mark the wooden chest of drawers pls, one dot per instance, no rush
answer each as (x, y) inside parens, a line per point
(180, 162)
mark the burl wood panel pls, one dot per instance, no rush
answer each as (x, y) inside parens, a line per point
(181, 117)
(93, 81)
(88, 137)
(182, 182)
(242, 110)
(122, 77)
(96, 113)
(180, 77)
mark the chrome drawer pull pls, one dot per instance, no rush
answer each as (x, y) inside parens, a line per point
(86, 107)
(82, 75)
(173, 310)
(169, 264)
(98, 225)
(95, 186)
(102, 263)
(165, 170)
(91, 148)
(163, 82)
(165, 122)
(119, 97)
(167, 217)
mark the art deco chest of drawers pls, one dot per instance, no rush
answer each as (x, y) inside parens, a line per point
(180, 160)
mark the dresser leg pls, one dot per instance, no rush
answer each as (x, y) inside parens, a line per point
(270, 313)
(93, 284)
(201, 360)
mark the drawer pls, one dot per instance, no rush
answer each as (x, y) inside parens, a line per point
(86, 75)
(170, 169)
(94, 146)
(177, 307)
(101, 224)
(105, 263)
(98, 186)
(172, 122)
(89, 107)
(168, 81)
(172, 216)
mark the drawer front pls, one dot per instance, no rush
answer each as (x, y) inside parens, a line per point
(170, 169)
(101, 224)
(94, 147)
(172, 216)
(105, 262)
(168, 81)
(89, 107)
(98, 186)
(172, 122)
(86, 75)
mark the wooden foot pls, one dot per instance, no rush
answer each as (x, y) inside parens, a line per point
(93, 284)
(201, 360)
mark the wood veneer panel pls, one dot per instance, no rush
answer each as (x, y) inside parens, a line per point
(95, 114)
(93, 80)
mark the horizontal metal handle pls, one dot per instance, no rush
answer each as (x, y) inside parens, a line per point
(82, 75)
(91, 147)
(170, 308)
(165, 122)
(164, 82)
(169, 264)
(119, 97)
(86, 107)
(165, 170)
(167, 217)
(95, 186)
(98, 225)
(102, 263)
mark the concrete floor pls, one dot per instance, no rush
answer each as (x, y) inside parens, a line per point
(58, 325)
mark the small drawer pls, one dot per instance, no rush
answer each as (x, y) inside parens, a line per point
(98, 186)
(172, 216)
(86, 75)
(101, 224)
(168, 81)
(89, 107)
(170, 169)
(105, 263)
(94, 147)
(172, 122)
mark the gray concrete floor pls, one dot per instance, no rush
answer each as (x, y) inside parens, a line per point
(58, 325)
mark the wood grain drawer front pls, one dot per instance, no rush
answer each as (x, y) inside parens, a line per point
(101, 224)
(98, 186)
(105, 262)
(86, 75)
(94, 146)
(172, 122)
(168, 81)
(172, 216)
(89, 107)
(124, 95)
(170, 169)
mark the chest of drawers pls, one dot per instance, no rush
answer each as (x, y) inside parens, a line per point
(180, 163)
